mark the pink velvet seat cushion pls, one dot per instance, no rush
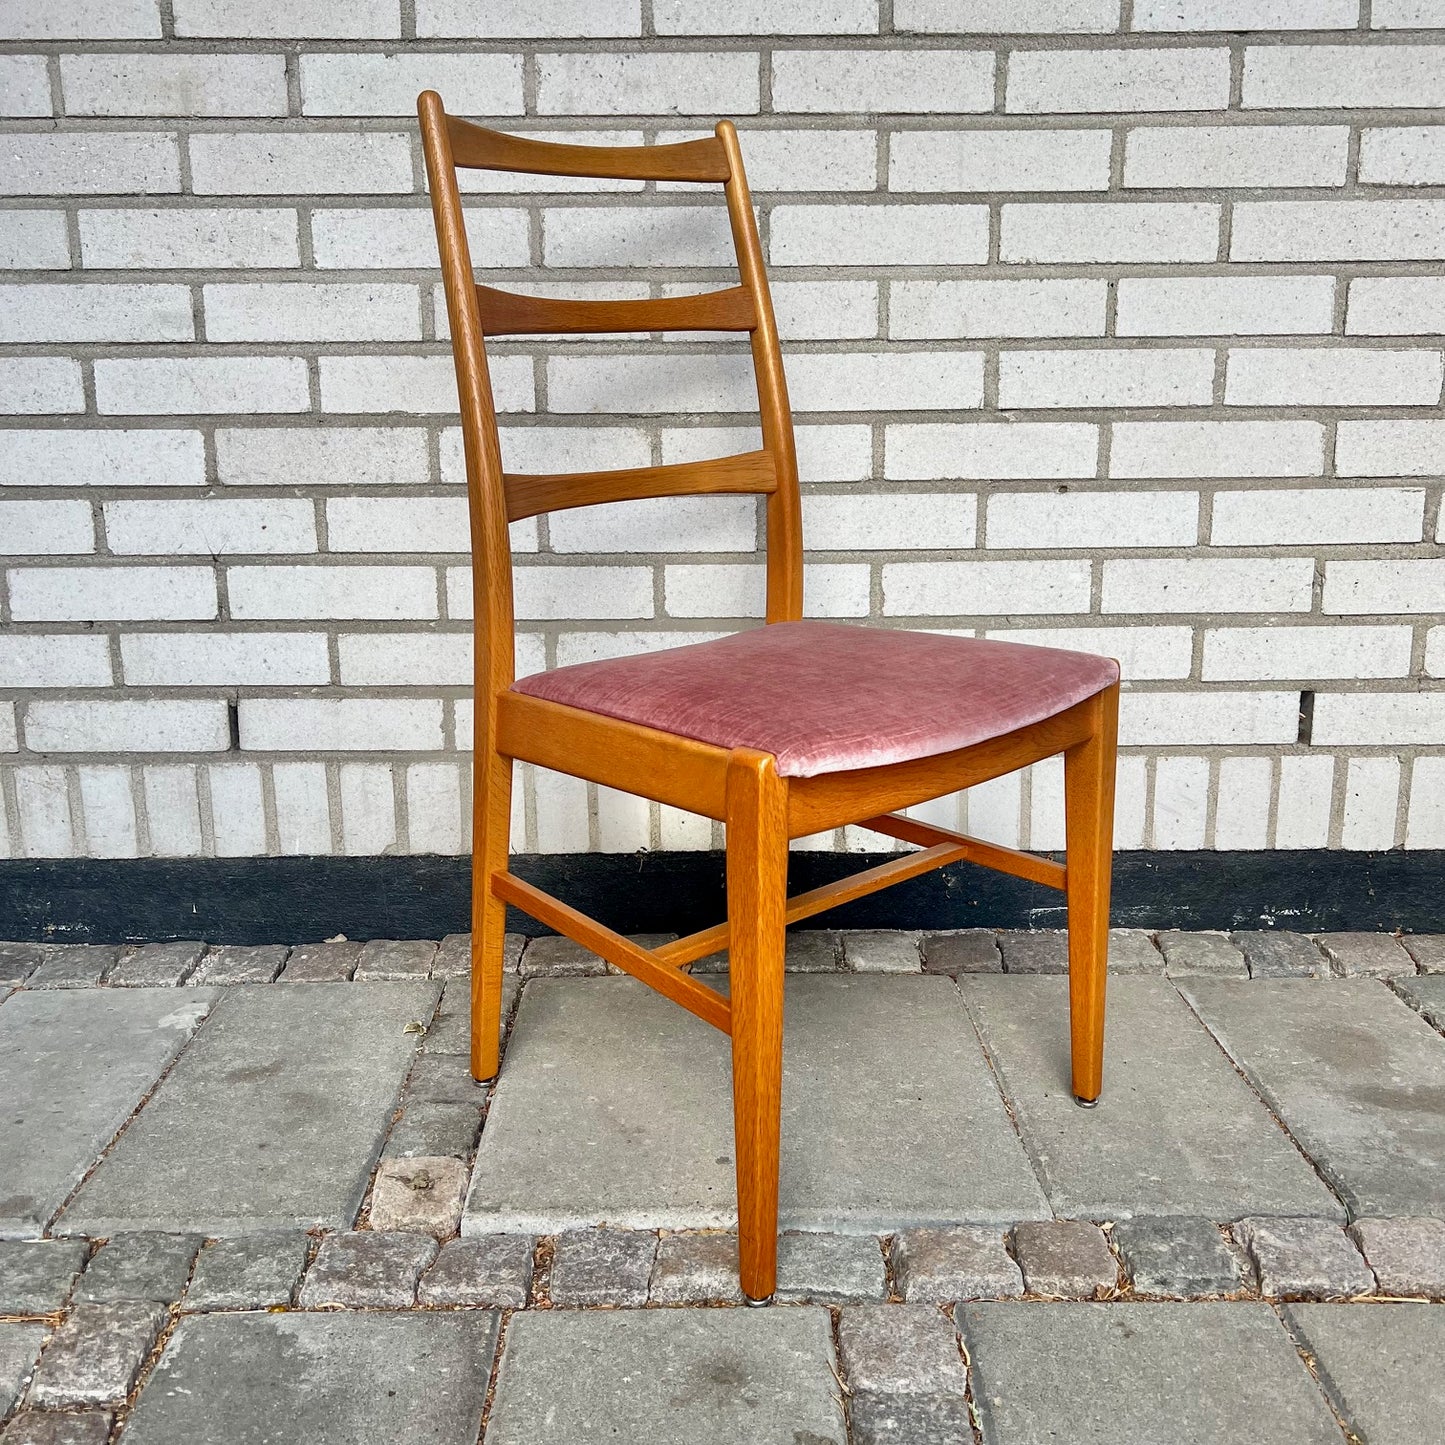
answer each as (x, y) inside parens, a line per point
(825, 697)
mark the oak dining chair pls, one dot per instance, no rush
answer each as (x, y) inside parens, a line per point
(780, 731)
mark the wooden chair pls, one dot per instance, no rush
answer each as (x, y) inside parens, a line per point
(781, 731)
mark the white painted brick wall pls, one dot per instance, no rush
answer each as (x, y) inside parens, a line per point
(1113, 327)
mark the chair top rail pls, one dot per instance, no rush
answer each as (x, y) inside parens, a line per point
(506, 313)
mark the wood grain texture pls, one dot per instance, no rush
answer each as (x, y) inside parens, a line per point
(505, 313)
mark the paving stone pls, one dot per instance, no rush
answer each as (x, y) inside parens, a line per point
(444, 1079)
(156, 965)
(882, 951)
(972, 950)
(584, 1377)
(1140, 1374)
(233, 963)
(454, 957)
(1208, 953)
(940, 1266)
(1427, 949)
(450, 1031)
(36, 1275)
(492, 1270)
(1273, 954)
(615, 1106)
(696, 1269)
(141, 1266)
(326, 1379)
(1380, 1364)
(1178, 1258)
(271, 1120)
(830, 1269)
(19, 960)
(422, 1193)
(1065, 1257)
(73, 965)
(1407, 1256)
(367, 1270)
(1131, 950)
(93, 1358)
(431, 1131)
(322, 962)
(812, 950)
(396, 958)
(1303, 1257)
(1424, 994)
(19, 1349)
(1356, 1076)
(1172, 1108)
(910, 1420)
(249, 1272)
(602, 1267)
(73, 1066)
(553, 955)
(900, 1350)
(1042, 950)
(1365, 955)
(55, 1427)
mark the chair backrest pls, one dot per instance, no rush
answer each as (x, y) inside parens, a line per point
(476, 312)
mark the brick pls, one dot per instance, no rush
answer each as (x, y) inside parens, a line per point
(36, 1275)
(91, 164)
(1396, 306)
(884, 380)
(95, 313)
(254, 19)
(433, 1130)
(418, 384)
(1303, 1258)
(420, 1194)
(1319, 76)
(327, 312)
(908, 234)
(1141, 231)
(233, 964)
(1377, 448)
(942, 1266)
(940, 589)
(1372, 794)
(1040, 950)
(1428, 951)
(826, 310)
(985, 451)
(1105, 378)
(1183, 15)
(1324, 515)
(1280, 954)
(201, 384)
(333, 962)
(900, 1350)
(109, 805)
(805, 160)
(33, 241)
(185, 239)
(237, 821)
(999, 160)
(1407, 156)
(970, 950)
(222, 659)
(1045, 82)
(388, 84)
(140, 1265)
(894, 520)
(829, 1269)
(123, 725)
(87, 594)
(252, 1271)
(1142, 652)
(1204, 719)
(1338, 230)
(1181, 802)
(881, 951)
(1426, 824)
(1217, 449)
(1244, 802)
(1072, 307)
(154, 965)
(1236, 155)
(900, 1419)
(31, 385)
(210, 528)
(363, 1270)
(24, 86)
(1404, 14)
(563, 18)
(602, 1267)
(673, 524)
(1331, 376)
(365, 456)
(397, 524)
(793, 17)
(234, 163)
(94, 1357)
(738, 591)
(695, 1269)
(1365, 955)
(1371, 719)
(156, 85)
(406, 659)
(1176, 1258)
(1031, 520)
(1222, 585)
(1015, 17)
(30, 660)
(73, 965)
(45, 528)
(368, 808)
(1262, 653)
(1225, 305)
(1208, 953)
(341, 724)
(331, 592)
(909, 81)
(1302, 820)
(1402, 586)
(1406, 1256)
(17, 962)
(173, 810)
(661, 236)
(82, 20)
(1065, 1258)
(492, 1272)
(691, 82)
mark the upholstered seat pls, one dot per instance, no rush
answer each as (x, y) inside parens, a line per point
(824, 697)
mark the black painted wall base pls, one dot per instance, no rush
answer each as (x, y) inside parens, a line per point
(298, 900)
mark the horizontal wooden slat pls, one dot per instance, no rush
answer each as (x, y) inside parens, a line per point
(989, 855)
(505, 313)
(477, 148)
(711, 1007)
(552, 492)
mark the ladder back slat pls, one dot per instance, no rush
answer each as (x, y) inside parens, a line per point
(477, 148)
(745, 472)
(505, 313)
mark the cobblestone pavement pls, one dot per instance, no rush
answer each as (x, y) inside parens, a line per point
(252, 1195)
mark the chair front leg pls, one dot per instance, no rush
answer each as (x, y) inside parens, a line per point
(1089, 837)
(757, 864)
(491, 837)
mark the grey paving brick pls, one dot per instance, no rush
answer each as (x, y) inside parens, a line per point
(141, 1266)
(322, 962)
(972, 950)
(58, 1427)
(1407, 1256)
(19, 1349)
(1044, 950)
(1207, 953)
(36, 1275)
(1177, 1258)
(1132, 950)
(365, 1270)
(272, 1120)
(327, 1379)
(422, 1193)
(93, 1358)
(1424, 994)
(900, 1350)
(696, 1269)
(572, 1376)
(19, 960)
(910, 1420)
(234, 963)
(73, 965)
(1171, 1110)
(882, 951)
(444, 1079)
(1427, 949)
(1273, 954)
(394, 958)
(79, 1063)
(454, 957)
(249, 1271)
(941, 1266)
(156, 965)
(492, 1270)
(1197, 1374)
(1066, 1258)
(602, 1267)
(451, 1029)
(1367, 955)
(830, 1268)
(1303, 1258)
(1355, 1075)
(434, 1130)
(552, 956)
(812, 950)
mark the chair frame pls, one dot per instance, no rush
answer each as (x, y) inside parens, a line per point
(741, 787)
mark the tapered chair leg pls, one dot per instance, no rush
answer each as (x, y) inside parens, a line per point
(491, 835)
(757, 864)
(1089, 835)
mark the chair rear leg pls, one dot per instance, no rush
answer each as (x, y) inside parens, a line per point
(757, 864)
(491, 836)
(1089, 835)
